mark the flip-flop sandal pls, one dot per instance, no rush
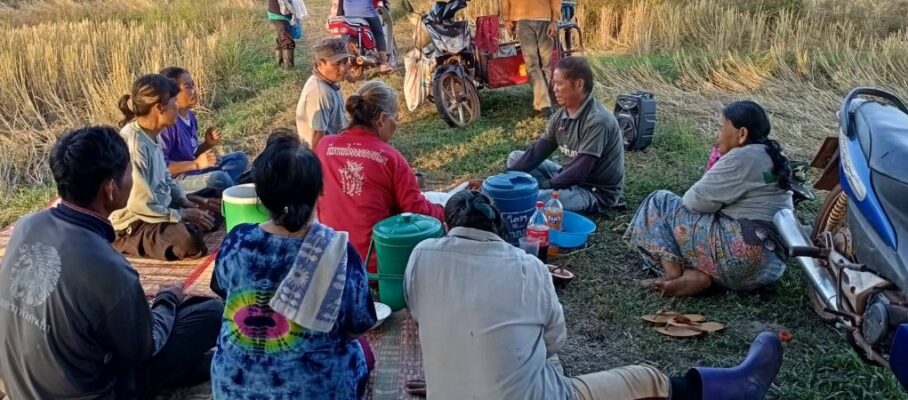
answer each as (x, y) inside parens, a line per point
(560, 272)
(416, 387)
(681, 327)
(662, 317)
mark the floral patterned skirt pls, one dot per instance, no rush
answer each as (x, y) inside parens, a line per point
(710, 243)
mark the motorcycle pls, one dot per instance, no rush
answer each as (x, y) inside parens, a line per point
(455, 63)
(360, 40)
(856, 254)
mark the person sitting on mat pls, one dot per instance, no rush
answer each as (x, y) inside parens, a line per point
(367, 179)
(159, 221)
(194, 165)
(74, 320)
(721, 231)
(483, 337)
(297, 297)
(587, 136)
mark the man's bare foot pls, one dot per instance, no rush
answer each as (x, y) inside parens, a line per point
(690, 283)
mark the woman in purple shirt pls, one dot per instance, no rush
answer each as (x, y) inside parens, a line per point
(194, 165)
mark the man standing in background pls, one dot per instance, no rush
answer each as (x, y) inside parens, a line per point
(321, 110)
(536, 23)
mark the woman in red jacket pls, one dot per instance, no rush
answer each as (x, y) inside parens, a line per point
(366, 179)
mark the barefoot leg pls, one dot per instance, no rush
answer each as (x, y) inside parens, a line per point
(690, 283)
(672, 269)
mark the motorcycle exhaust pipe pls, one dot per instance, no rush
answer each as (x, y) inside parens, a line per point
(820, 279)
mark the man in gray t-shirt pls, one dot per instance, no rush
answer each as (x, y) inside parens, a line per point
(321, 110)
(588, 140)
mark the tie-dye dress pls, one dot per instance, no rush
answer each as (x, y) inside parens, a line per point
(260, 354)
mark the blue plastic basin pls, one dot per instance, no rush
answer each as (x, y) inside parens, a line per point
(575, 230)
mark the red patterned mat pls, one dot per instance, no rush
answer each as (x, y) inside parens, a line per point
(154, 273)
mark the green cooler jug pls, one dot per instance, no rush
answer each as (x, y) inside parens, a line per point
(394, 239)
(239, 205)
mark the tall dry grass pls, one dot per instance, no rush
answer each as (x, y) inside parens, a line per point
(64, 74)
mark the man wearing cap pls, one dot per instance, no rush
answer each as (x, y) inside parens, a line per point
(320, 110)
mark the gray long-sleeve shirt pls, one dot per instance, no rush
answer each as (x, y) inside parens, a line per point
(740, 185)
(153, 189)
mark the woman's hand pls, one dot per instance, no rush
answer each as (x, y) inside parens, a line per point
(199, 217)
(206, 160)
(212, 205)
(212, 137)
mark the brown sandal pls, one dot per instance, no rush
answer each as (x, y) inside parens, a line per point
(560, 273)
(683, 327)
(662, 317)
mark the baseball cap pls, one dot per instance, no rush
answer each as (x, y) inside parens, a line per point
(332, 50)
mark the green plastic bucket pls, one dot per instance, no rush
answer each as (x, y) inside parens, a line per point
(240, 205)
(394, 239)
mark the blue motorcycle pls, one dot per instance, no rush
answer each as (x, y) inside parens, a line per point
(856, 255)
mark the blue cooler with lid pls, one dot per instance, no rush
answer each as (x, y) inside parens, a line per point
(515, 196)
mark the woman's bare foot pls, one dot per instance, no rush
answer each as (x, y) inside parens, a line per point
(672, 270)
(690, 283)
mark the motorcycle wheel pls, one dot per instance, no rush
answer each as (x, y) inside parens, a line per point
(456, 99)
(820, 226)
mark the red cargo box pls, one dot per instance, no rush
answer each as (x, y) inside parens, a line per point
(507, 71)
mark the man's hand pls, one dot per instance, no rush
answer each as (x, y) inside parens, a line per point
(553, 29)
(212, 137)
(511, 26)
(199, 217)
(175, 288)
(206, 160)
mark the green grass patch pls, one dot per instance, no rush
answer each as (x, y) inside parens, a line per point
(603, 306)
(22, 201)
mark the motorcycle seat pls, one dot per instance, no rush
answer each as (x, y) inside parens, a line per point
(885, 129)
(355, 21)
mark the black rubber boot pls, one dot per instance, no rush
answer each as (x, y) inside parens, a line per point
(287, 55)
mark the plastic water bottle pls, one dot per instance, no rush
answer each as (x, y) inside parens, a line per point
(554, 215)
(538, 230)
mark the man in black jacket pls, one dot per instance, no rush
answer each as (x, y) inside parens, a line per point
(74, 321)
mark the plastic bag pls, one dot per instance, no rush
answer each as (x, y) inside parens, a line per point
(414, 94)
(296, 30)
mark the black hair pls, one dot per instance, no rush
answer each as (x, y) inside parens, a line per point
(288, 181)
(83, 159)
(282, 136)
(174, 72)
(577, 68)
(748, 114)
(147, 91)
(472, 209)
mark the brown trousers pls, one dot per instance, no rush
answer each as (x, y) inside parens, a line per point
(284, 38)
(163, 241)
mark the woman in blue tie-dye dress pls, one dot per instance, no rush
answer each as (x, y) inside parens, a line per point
(261, 354)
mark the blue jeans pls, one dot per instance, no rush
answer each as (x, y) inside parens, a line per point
(575, 198)
(230, 167)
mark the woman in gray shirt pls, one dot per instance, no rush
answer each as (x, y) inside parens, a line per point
(721, 230)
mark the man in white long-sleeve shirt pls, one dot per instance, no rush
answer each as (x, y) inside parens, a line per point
(490, 324)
